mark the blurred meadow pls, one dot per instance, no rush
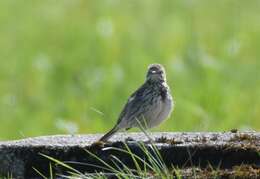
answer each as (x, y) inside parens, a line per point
(69, 66)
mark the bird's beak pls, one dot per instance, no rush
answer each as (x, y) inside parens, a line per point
(153, 72)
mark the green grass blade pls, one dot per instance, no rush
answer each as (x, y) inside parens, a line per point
(37, 171)
(61, 163)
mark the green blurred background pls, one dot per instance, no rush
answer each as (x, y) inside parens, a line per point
(68, 66)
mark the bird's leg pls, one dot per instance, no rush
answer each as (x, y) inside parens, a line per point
(150, 140)
(144, 129)
(129, 139)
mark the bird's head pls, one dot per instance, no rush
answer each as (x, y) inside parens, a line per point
(156, 73)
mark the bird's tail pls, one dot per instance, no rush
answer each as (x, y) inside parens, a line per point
(109, 134)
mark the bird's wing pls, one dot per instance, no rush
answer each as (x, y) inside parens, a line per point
(136, 104)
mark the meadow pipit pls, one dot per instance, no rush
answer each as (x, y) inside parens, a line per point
(148, 106)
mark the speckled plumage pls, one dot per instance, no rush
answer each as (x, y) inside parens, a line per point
(149, 105)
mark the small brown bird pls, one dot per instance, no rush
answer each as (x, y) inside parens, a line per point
(147, 107)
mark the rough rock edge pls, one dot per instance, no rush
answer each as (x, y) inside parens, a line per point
(15, 155)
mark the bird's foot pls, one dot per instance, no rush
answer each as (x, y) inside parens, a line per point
(98, 144)
(129, 139)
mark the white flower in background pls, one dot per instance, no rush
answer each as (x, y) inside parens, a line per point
(118, 73)
(42, 63)
(105, 28)
(178, 64)
(233, 47)
(66, 126)
(209, 60)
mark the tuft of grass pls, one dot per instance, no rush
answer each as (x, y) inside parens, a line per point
(151, 166)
